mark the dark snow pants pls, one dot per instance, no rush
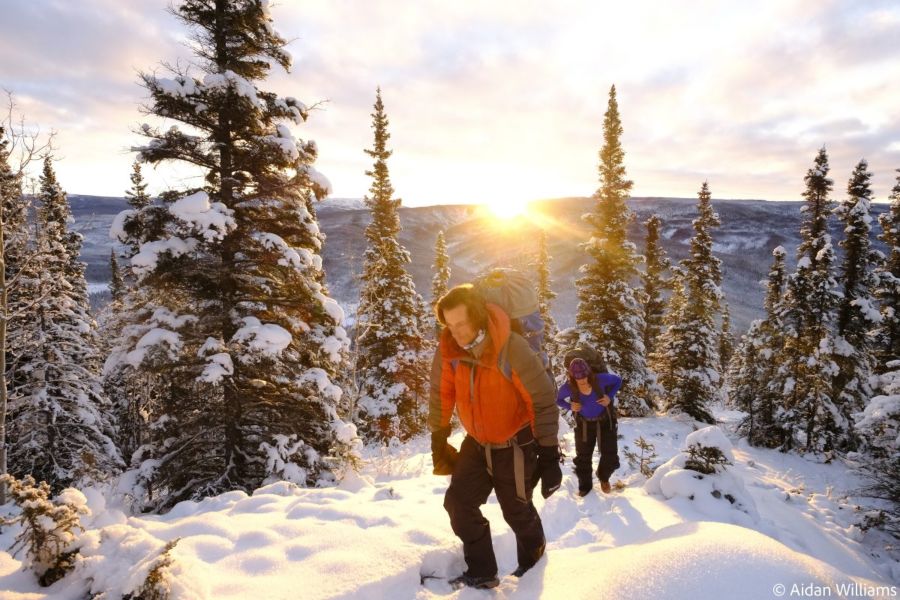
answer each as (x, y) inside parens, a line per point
(470, 486)
(588, 434)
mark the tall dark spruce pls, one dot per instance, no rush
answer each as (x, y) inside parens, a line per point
(394, 355)
(806, 417)
(60, 429)
(609, 314)
(857, 312)
(692, 376)
(232, 322)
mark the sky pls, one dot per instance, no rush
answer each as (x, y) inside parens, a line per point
(501, 101)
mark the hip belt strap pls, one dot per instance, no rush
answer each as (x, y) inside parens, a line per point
(518, 462)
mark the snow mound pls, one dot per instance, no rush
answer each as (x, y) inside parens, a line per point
(721, 496)
(691, 561)
(711, 437)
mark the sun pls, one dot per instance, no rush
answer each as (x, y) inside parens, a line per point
(507, 209)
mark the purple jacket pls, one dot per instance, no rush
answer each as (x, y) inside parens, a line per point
(606, 383)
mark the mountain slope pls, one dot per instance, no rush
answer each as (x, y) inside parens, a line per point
(750, 230)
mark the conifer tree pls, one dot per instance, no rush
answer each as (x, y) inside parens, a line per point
(726, 340)
(116, 283)
(60, 430)
(609, 314)
(15, 210)
(233, 318)
(878, 428)
(56, 214)
(440, 282)
(137, 196)
(753, 366)
(655, 284)
(12, 238)
(857, 310)
(130, 390)
(132, 222)
(887, 334)
(806, 415)
(694, 373)
(546, 296)
(394, 358)
(662, 358)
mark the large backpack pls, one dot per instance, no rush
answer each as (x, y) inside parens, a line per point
(588, 354)
(514, 292)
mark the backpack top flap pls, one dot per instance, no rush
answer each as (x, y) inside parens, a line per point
(511, 290)
(587, 353)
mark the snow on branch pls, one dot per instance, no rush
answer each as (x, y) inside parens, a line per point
(211, 221)
(266, 338)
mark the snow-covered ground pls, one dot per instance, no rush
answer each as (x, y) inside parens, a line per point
(374, 536)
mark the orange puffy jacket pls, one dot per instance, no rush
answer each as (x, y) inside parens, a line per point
(491, 405)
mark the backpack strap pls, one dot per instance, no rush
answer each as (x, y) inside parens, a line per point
(503, 362)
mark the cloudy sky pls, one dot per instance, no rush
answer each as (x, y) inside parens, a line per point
(503, 100)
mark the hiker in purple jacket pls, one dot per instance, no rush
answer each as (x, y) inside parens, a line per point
(595, 421)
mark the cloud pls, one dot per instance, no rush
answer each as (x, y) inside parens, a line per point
(496, 98)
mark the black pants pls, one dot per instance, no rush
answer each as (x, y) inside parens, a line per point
(589, 434)
(470, 486)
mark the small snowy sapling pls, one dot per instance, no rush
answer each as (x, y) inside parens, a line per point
(644, 459)
(705, 459)
(49, 527)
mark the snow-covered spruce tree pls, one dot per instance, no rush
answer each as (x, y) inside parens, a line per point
(857, 310)
(50, 527)
(609, 313)
(662, 359)
(726, 339)
(55, 215)
(807, 416)
(137, 196)
(13, 217)
(656, 263)
(694, 374)
(138, 199)
(130, 390)
(440, 282)
(60, 429)
(394, 356)
(116, 283)
(878, 428)
(545, 297)
(233, 321)
(887, 334)
(753, 366)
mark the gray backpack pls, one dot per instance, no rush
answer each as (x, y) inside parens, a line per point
(515, 293)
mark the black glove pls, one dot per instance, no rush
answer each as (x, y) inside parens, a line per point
(547, 470)
(443, 455)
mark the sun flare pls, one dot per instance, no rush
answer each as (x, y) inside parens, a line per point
(507, 209)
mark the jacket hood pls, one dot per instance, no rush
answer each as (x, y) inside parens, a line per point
(498, 330)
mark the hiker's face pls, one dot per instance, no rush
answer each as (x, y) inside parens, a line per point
(459, 324)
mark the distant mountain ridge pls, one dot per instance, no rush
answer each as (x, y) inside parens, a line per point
(750, 230)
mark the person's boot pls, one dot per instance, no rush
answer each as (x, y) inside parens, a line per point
(585, 487)
(474, 581)
(604, 485)
(522, 569)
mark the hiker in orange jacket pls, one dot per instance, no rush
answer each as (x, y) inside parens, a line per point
(505, 400)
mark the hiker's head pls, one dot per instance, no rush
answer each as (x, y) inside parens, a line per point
(579, 369)
(463, 312)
